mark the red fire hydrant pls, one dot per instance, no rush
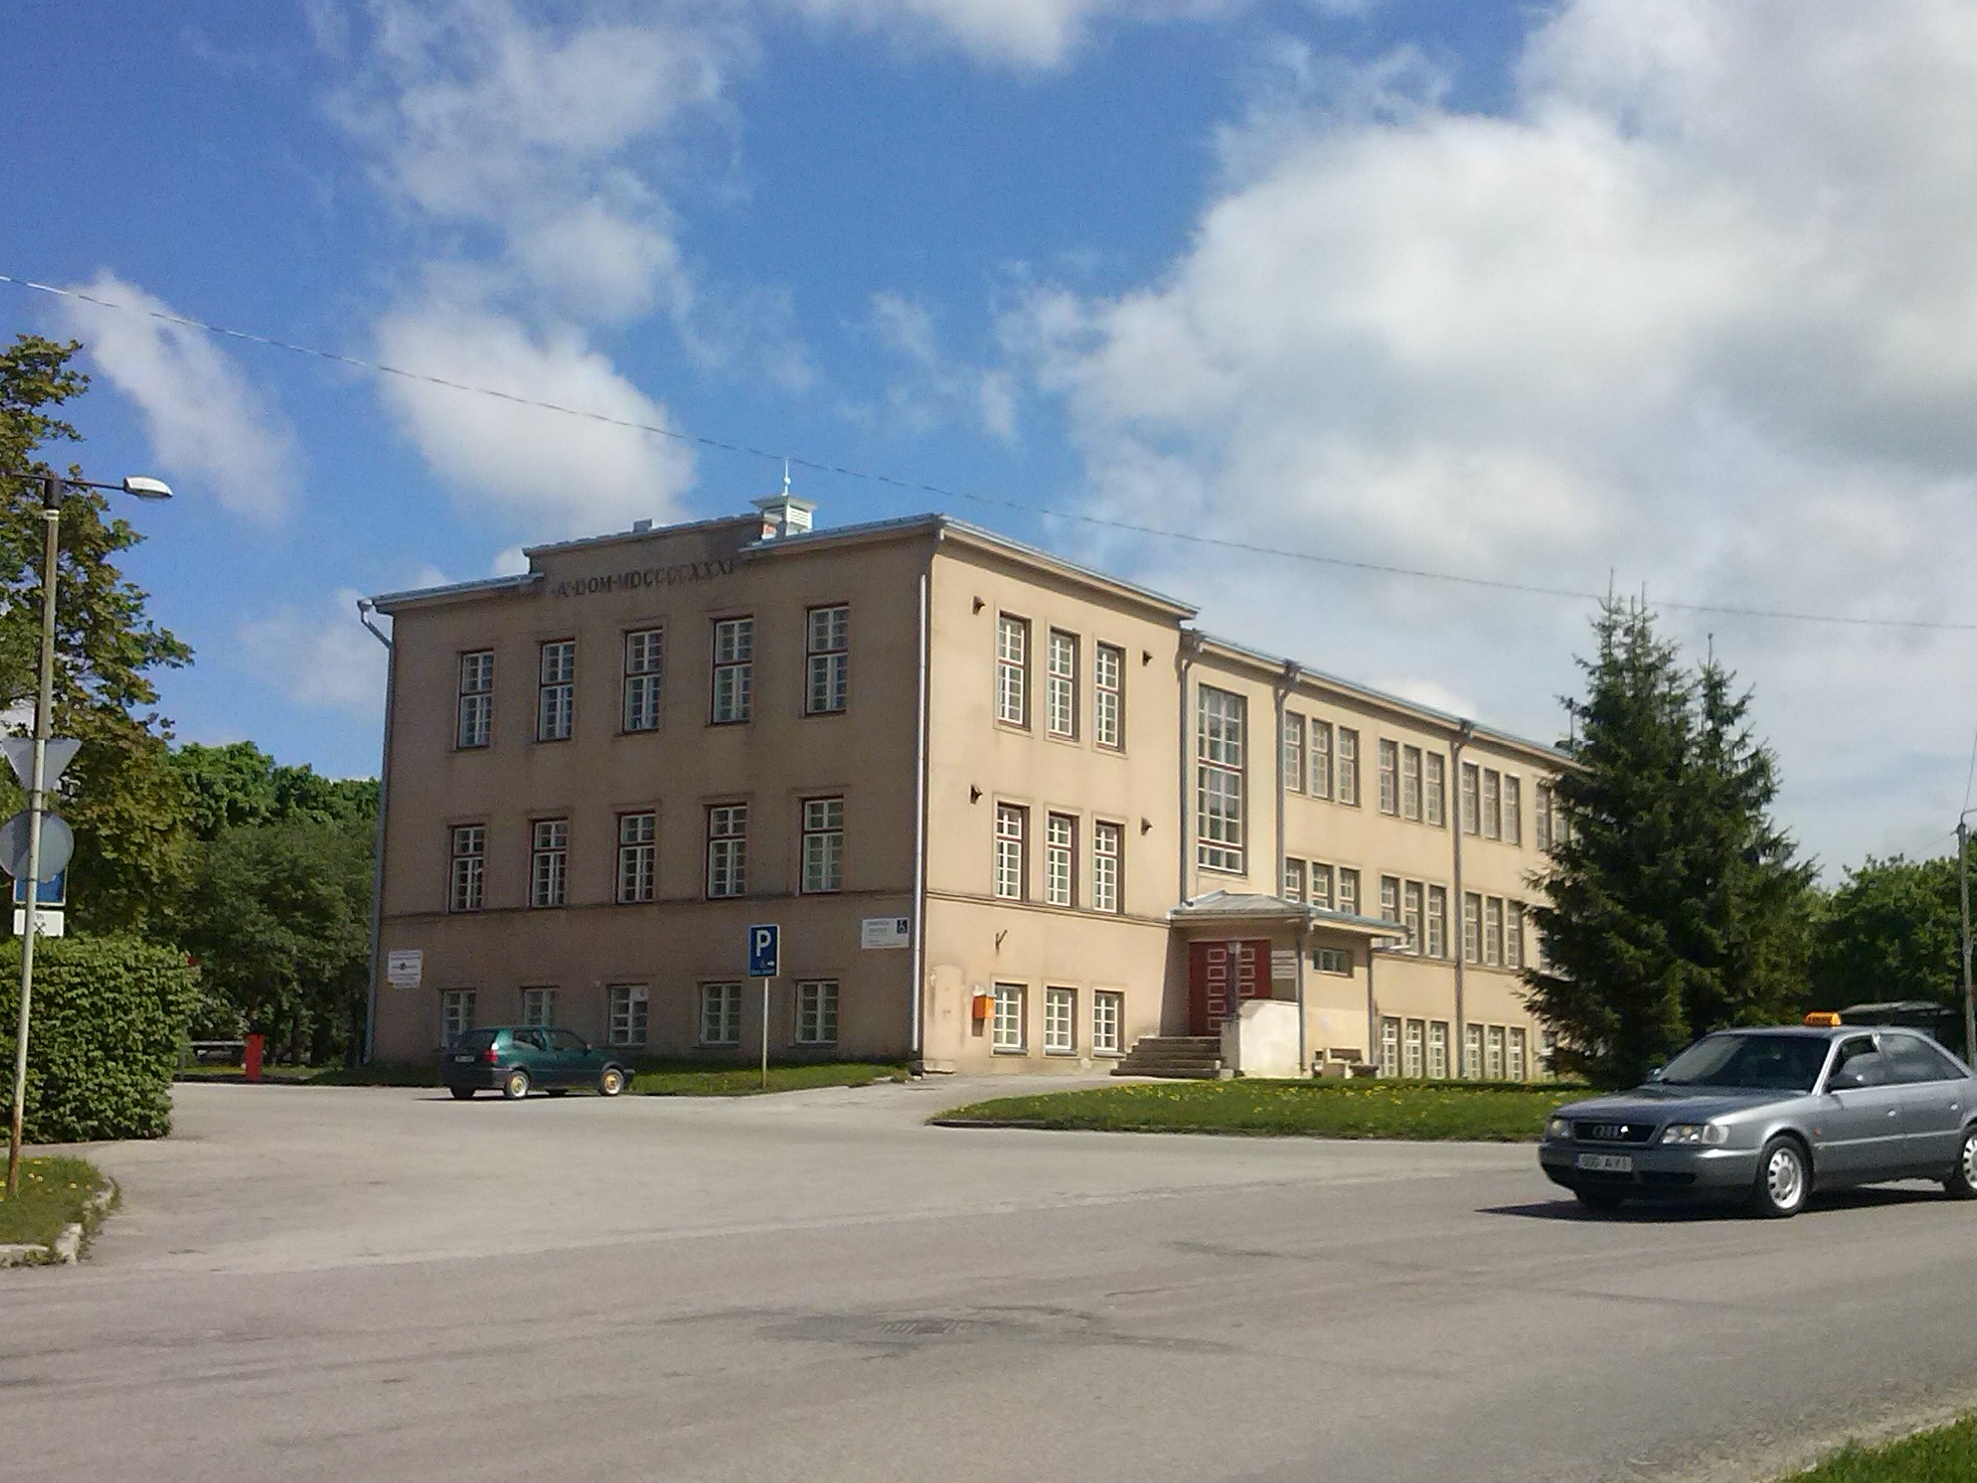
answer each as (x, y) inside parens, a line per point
(250, 1060)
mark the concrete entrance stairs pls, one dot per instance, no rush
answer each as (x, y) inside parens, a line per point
(1173, 1055)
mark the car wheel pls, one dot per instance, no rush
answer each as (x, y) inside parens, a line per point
(611, 1082)
(1601, 1200)
(1962, 1183)
(516, 1086)
(461, 1094)
(1784, 1179)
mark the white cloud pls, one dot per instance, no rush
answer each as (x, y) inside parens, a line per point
(563, 475)
(209, 427)
(320, 657)
(1698, 313)
(1028, 33)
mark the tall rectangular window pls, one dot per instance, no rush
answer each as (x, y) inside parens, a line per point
(1108, 678)
(538, 1007)
(1471, 786)
(1493, 1067)
(727, 849)
(1493, 931)
(1389, 1047)
(1434, 790)
(1108, 1017)
(823, 845)
(1438, 1049)
(644, 663)
(1320, 880)
(1390, 898)
(1348, 891)
(1293, 880)
(1541, 817)
(1513, 810)
(1346, 783)
(1006, 1032)
(1472, 1052)
(1389, 776)
(638, 857)
(628, 1014)
(1293, 752)
(456, 1013)
(1413, 1043)
(816, 1011)
(1012, 670)
(556, 690)
(1472, 927)
(1411, 908)
(1108, 847)
(1492, 803)
(1060, 836)
(720, 1014)
(476, 698)
(469, 867)
(1513, 934)
(1012, 830)
(1219, 721)
(1516, 1069)
(1437, 924)
(1410, 783)
(1318, 764)
(1061, 685)
(549, 860)
(1060, 1022)
(827, 658)
(734, 671)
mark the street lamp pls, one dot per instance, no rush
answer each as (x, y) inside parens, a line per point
(1963, 902)
(52, 486)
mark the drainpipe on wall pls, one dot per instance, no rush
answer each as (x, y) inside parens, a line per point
(1283, 695)
(1372, 1009)
(364, 611)
(918, 966)
(1460, 1050)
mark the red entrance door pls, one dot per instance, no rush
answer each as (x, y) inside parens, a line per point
(1220, 974)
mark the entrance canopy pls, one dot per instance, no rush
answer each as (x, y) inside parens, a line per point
(1252, 914)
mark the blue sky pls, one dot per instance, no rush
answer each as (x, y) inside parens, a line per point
(1662, 295)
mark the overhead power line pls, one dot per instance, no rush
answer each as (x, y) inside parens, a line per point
(916, 486)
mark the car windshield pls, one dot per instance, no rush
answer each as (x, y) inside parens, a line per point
(474, 1040)
(1783, 1063)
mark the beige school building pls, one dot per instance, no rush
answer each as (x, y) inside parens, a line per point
(1009, 814)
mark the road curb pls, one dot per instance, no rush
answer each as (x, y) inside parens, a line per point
(69, 1243)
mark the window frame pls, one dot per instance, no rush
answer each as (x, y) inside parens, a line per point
(1414, 916)
(821, 842)
(1060, 685)
(1011, 860)
(1434, 790)
(549, 863)
(1108, 896)
(733, 637)
(1317, 777)
(475, 698)
(643, 678)
(638, 853)
(636, 1016)
(1470, 805)
(1292, 761)
(460, 1003)
(539, 1006)
(1012, 674)
(1060, 859)
(831, 660)
(726, 1018)
(1007, 994)
(1108, 1004)
(1389, 776)
(1348, 876)
(1108, 732)
(1059, 997)
(817, 1006)
(1316, 871)
(1492, 804)
(1345, 765)
(730, 845)
(556, 690)
(1221, 752)
(474, 864)
(1435, 921)
(1412, 783)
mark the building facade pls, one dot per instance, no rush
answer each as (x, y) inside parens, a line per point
(1009, 813)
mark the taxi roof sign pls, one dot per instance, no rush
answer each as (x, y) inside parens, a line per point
(1825, 1018)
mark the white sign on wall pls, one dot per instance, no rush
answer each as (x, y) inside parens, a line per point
(1283, 965)
(405, 967)
(884, 932)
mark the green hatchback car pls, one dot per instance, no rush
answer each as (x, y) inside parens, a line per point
(514, 1058)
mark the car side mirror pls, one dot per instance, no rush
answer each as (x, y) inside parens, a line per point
(1656, 1074)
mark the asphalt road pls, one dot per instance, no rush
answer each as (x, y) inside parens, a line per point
(330, 1284)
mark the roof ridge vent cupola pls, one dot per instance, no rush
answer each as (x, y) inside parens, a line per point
(784, 514)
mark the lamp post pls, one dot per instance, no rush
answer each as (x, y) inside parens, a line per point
(1963, 902)
(52, 486)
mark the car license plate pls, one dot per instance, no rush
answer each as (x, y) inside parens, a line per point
(465, 1060)
(1605, 1163)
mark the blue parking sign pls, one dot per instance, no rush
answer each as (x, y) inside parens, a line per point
(764, 950)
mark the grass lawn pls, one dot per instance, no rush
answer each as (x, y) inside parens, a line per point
(1360, 1108)
(54, 1193)
(649, 1078)
(687, 1079)
(1947, 1455)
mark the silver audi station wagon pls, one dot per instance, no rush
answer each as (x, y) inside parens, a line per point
(1770, 1115)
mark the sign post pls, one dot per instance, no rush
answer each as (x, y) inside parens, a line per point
(765, 942)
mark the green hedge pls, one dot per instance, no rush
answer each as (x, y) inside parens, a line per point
(108, 1016)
